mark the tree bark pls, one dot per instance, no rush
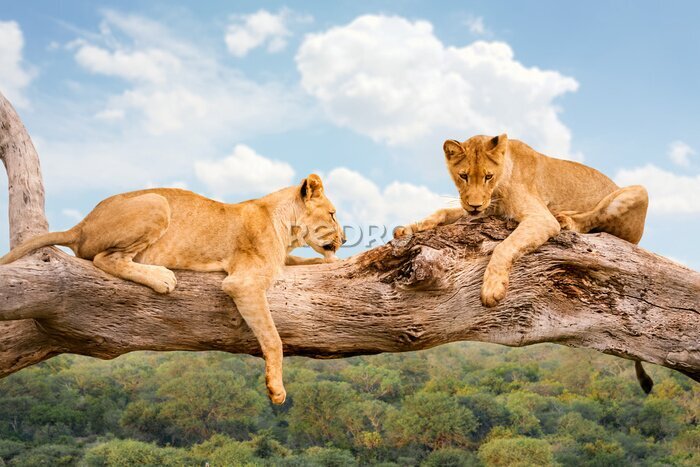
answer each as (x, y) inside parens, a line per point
(25, 185)
(591, 291)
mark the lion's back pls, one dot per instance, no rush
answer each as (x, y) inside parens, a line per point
(563, 185)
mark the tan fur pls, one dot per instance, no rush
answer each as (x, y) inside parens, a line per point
(141, 235)
(542, 193)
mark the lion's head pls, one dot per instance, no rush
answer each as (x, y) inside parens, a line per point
(476, 166)
(320, 227)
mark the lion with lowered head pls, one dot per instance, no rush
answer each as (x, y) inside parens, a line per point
(507, 178)
(141, 235)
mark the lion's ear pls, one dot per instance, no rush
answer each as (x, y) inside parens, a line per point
(499, 143)
(453, 150)
(311, 186)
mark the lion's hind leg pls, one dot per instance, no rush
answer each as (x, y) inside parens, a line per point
(114, 233)
(621, 213)
(567, 221)
(159, 278)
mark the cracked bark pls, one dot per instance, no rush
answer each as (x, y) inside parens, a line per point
(589, 291)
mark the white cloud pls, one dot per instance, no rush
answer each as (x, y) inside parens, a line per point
(393, 80)
(476, 25)
(172, 102)
(172, 184)
(151, 65)
(110, 114)
(669, 193)
(73, 214)
(680, 153)
(361, 202)
(247, 32)
(244, 171)
(164, 111)
(173, 84)
(14, 74)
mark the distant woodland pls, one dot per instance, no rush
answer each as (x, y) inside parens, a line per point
(456, 405)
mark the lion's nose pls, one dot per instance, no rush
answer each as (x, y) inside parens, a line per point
(475, 206)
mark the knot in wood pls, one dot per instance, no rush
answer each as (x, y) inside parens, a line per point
(425, 270)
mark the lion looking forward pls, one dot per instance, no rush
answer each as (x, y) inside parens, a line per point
(509, 179)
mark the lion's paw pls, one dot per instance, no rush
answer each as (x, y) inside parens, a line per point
(402, 231)
(570, 220)
(331, 258)
(565, 222)
(494, 288)
(277, 396)
(163, 280)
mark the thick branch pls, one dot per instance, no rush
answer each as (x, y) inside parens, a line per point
(592, 291)
(26, 201)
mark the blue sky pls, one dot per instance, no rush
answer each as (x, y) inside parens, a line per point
(236, 99)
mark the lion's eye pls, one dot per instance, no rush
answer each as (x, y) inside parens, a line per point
(488, 176)
(464, 177)
(332, 213)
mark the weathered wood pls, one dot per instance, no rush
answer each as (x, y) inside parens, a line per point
(26, 187)
(592, 291)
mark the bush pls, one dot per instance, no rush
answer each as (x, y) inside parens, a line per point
(686, 448)
(48, 454)
(533, 414)
(434, 420)
(265, 446)
(488, 411)
(596, 454)
(10, 448)
(451, 457)
(118, 452)
(582, 430)
(234, 453)
(321, 457)
(659, 418)
(223, 450)
(516, 452)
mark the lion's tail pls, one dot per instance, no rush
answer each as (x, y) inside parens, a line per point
(52, 238)
(644, 379)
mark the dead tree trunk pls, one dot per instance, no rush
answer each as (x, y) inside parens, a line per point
(592, 291)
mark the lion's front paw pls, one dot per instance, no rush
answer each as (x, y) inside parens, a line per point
(494, 288)
(331, 258)
(402, 231)
(163, 280)
(277, 396)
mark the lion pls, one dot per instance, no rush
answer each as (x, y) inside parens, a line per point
(141, 235)
(507, 178)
